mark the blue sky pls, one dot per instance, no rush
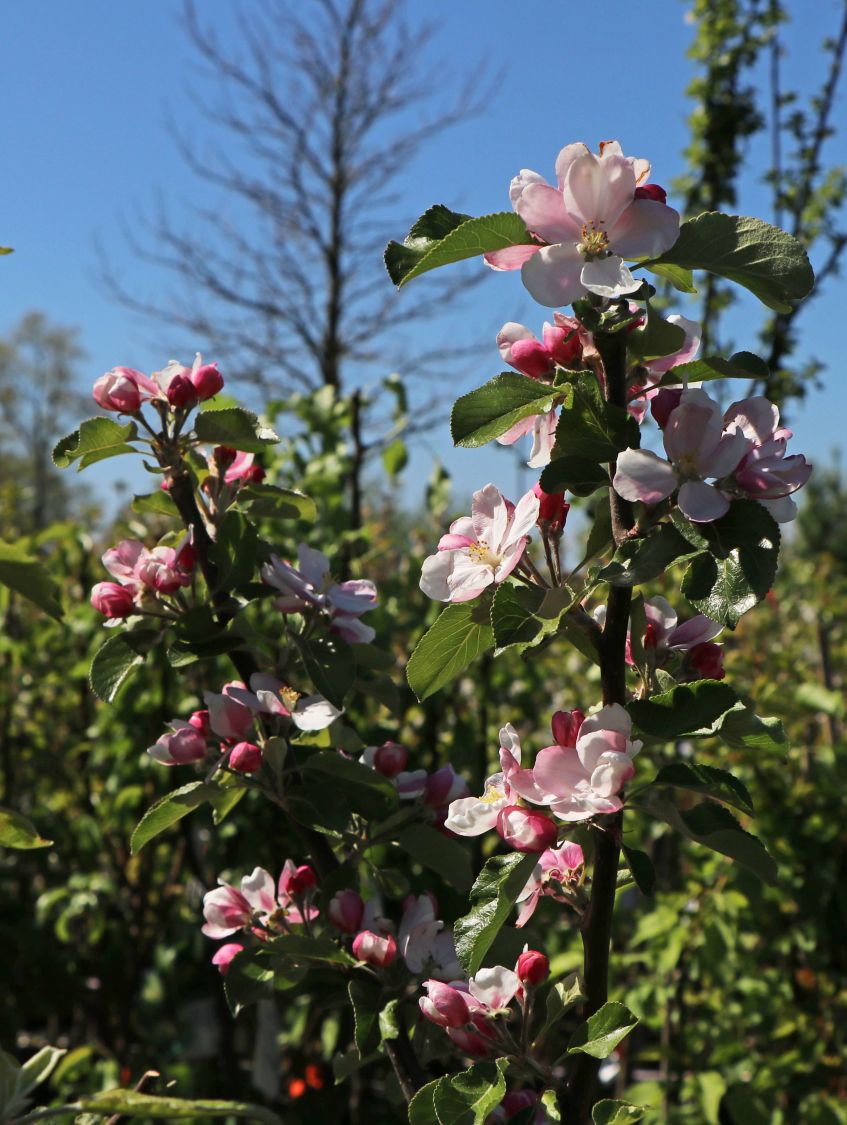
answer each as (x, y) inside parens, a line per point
(86, 90)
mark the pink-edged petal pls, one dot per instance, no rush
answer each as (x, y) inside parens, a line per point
(468, 578)
(543, 210)
(521, 182)
(519, 430)
(756, 417)
(611, 773)
(701, 502)
(609, 277)
(566, 157)
(583, 805)
(612, 717)
(645, 229)
(543, 439)
(661, 615)
(469, 816)
(692, 431)
(435, 574)
(598, 191)
(592, 745)
(783, 509)
(696, 631)
(494, 987)
(552, 276)
(642, 475)
(686, 353)
(510, 257)
(528, 909)
(524, 517)
(558, 771)
(487, 510)
(510, 559)
(726, 455)
(313, 565)
(258, 888)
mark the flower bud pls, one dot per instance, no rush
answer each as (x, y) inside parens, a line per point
(225, 955)
(374, 949)
(517, 1101)
(444, 786)
(345, 911)
(444, 1005)
(224, 455)
(562, 341)
(246, 757)
(200, 721)
(566, 726)
(652, 191)
(664, 403)
(181, 392)
(118, 390)
(113, 600)
(526, 830)
(552, 508)
(391, 758)
(179, 747)
(301, 880)
(207, 381)
(707, 659)
(532, 967)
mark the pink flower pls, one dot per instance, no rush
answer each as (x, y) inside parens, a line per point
(207, 380)
(226, 911)
(183, 387)
(345, 911)
(697, 447)
(242, 469)
(183, 745)
(532, 967)
(566, 726)
(707, 660)
(120, 390)
(444, 786)
(445, 1004)
(295, 880)
(165, 569)
(557, 870)
(310, 586)
(113, 600)
(649, 392)
(495, 988)
(587, 225)
(228, 716)
(418, 930)
(122, 559)
(471, 816)
(663, 636)
(482, 549)
(542, 427)
(375, 949)
(270, 696)
(245, 757)
(521, 349)
(526, 830)
(765, 473)
(552, 509)
(225, 955)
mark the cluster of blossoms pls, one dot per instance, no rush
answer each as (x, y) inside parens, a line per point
(144, 577)
(578, 777)
(258, 908)
(124, 390)
(434, 790)
(229, 469)
(713, 457)
(688, 650)
(226, 730)
(309, 587)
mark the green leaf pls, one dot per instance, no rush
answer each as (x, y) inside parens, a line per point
(560, 999)
(492, 897)
(28, 577)
(145, 1106)
(366, 790)
(764, 259)
(158, 503)
(744, 730)
(523, 615)
(111, 665)
(422, 1105)
(602, 1032)
(467, 1098)
(709, 780)
(300, 949)
(683, 710)
(95, 440)
(741, 564)
(437, 239)
(168, 810)
(389, 1021)
(578, 475)
(715, 827)
(591, 428)
(267, 501)
(608, 1112)
(395, 457)
(331, 666)
(364, 999)
(642, 870)
(248, 979)
(741, 365)
(642, 560)
(18, 832)
(487, 412)
(6, 250)
(234, 551)
(459, 635)
(234, 427)
(448, 857)
(679, 277)
(656, 338)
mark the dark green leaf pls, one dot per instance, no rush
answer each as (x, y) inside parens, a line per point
(741, 565)
(459, 635)
(591, 428)
(642, 560)
(168, 810)
(366, 790)
(158, 503)
(113, 662)
(560, 999)
(436, 240)
(395, 457)
(28, 577)
(487, 412)
(249, 978)
(364, 999)
(330, 665)
(741, 365)
(148, 1106)
(709, 780)
(300, 949)
(524, 615)
(761, 257)
(266, 501)
(655, 339)
(467, 1098)
(18, 832)
(683, 710)
(608, 1112)
(234, 427)
(715, 827)
(422, 1105)
(602, 1032)
(578, 475)
(492, 897)
(744, 730)
(234, 551)
(642, 870)
(449, 858)
(95, 440)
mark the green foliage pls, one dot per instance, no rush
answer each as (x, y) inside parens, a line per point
(486, 413)
(234, 427)
(171, 808)
(18, 832)
(27, 576)
(607, 1112)
(591, 428)
(460, 634)
(602, 1032)
(492, 897)
(465, 1098)
(131, 1102)
(97, 439)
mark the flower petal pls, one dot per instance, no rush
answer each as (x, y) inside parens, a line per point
(552, 276)
(597, 191)
(435, 575)
(510, 257)
(543, 210)
(701, 502)
(645, 229)
(609, 277)
(642, 475)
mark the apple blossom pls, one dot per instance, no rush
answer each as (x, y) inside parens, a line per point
(664, 636)
(225, 955)
(526, 830)
(532, 967)
(184, 744)
(270, 696)
(119, 390)
(586, 226)
(206, 379)
(562, 346)
(389, 759)
(765, 473)
(542, 427)
(653, 371)
(480, 549)
(242, 469)
(310, 586)
(345, 911)
(113, 600)
(375, 949)
(558, 870)
(445, 1004)
(495, 988)
(245, 757)
(228, 717)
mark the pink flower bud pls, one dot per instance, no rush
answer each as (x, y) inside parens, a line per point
(345, 911)
(118, 390)
(391, 758)
(566, 726)
(562, 341)
(224, 956)
(707, 659)
(652, 191)
(445, 1005)
(444, 786)
(200, 721)
(181, 392)
(374, 949)
(246, 757)
(207, 381)
(531, 358)
(552, 508)
(517, 1102)
(526, 830)
(113, 600)
(301, 880)
(664, 403)
(224, 455)
(533, 967)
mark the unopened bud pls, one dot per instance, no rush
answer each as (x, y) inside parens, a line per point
(533, 967)
(526, 830)
(245, 757)
(552, 509)
(391, 758)
(207, 381)
(375, 949)
(113, 600)
(652, 191)
(345, 911)
(566, 725)
(664, 403)
(181, 392)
